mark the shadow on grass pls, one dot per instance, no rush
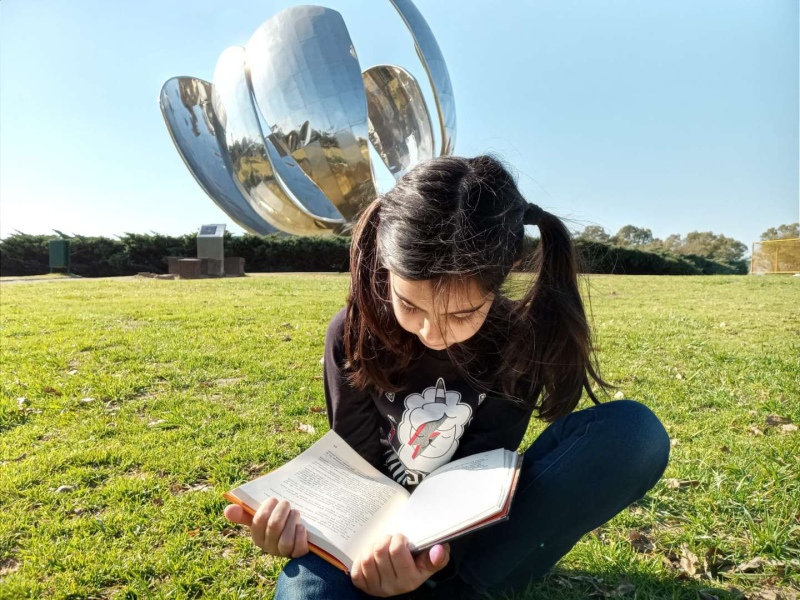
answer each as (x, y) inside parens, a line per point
(572, 585)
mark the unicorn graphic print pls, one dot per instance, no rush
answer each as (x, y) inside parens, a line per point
(428, 433)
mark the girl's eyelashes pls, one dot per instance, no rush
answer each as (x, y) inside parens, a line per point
(407, 307)
(411, 309)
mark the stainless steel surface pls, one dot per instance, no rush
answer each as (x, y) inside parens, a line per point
(186, 107)
(248, 155)
(282, 143)
(399, 123)
(433, 61)
(307, 83)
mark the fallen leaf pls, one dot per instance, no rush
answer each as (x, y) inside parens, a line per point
(754, 564)
(707, 595)
(306, 428)
(755, 430)
(21, 402)
(675, 484)
(158, 501)
(778, 565)
(52, 391)
(789, 428)
(620, 395)
(775, 420)
(87, 400)
(678, 376)
(317, 410)
(229, 532)
(72, 372)
(156, 422)
(193, 532)
(688, 561)
(674, 442)
(640, 542)
(725, 450)
(287, 325)
(65, 488)
(255, 469)
(199, 487)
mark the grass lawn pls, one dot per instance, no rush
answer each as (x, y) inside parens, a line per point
(128, 406)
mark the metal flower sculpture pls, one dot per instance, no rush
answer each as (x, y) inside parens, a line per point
(280, 139)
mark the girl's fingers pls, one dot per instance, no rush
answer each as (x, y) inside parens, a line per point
(300, 541)
(402, 561)
(275, 525)
(288, 534)
(433, 560)
(383, 561)
(365, 575)
(236, 514)
(258, 529)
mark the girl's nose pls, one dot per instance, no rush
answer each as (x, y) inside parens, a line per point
(430, 332)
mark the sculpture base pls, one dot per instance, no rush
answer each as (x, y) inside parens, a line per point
(197, 268)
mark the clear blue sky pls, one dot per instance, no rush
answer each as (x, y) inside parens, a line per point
(676, 115)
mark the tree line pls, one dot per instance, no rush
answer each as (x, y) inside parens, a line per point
(706, 244)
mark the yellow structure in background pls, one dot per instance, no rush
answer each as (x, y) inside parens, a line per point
(775, 256)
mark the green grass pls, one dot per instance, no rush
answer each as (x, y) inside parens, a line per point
(151, 398)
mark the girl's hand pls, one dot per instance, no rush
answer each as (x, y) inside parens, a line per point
(389, 569)
(275, 528)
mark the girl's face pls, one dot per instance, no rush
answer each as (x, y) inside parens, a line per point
(412, 302)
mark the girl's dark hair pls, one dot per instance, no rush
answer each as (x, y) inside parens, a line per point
(450, 220)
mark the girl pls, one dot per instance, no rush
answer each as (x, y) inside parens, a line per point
(431, 361)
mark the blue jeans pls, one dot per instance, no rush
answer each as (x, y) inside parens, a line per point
(580, 472)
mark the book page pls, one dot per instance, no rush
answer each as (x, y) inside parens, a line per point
(342, 499)
(459, 494)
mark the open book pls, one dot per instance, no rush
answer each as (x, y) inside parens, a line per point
(346, 504)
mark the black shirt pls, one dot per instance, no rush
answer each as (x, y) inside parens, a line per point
(437, 417)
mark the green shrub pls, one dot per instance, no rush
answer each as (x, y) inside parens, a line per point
(22, 254)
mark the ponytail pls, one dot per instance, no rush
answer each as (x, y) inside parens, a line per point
(557, 355)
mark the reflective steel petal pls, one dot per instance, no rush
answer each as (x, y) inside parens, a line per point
(186, 106)
(307, 83)
(433, 61)
(248, 155)
(399, 122)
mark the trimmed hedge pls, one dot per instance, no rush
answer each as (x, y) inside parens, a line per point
(22, 254)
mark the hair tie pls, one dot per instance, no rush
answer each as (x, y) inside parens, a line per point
(532, 215)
